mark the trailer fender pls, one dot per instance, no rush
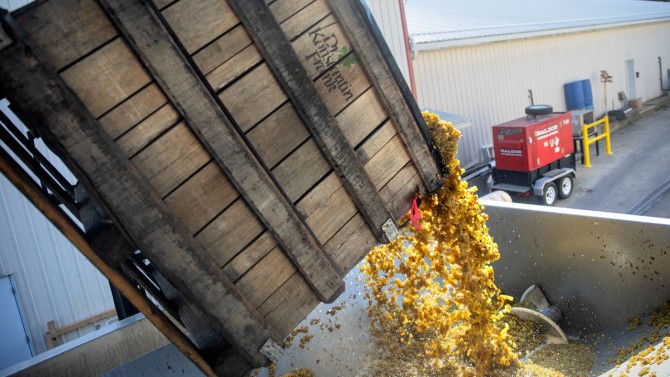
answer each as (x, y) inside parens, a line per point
(550, 176)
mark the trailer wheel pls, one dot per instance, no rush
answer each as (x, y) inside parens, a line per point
(549, 194)
(565, 186)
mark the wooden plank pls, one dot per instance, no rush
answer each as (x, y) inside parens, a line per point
(66, 30)
(285, 64)
(301, 170)
(399, 191)
(265, 277)
(182, 84)
(230, 232)
(300, 21)
(202, 197)
(253, 97)
(385, 164)
(341, 85)
(289, 305)
(250, 256)
(148, 130)
(222, 49)
(331, 215)
(198, 22)
(283, 9)
(322, 46)
(376, 142)
(234, 67)
(106, 77)
(277, 135)
(58, 331)
(171, 159)
(160, 4)
(360, 118)
(351, 243)
(311, 202)
(351, 16)
(133, 110)
(44, 101)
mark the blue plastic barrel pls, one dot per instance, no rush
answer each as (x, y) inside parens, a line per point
(574, 95)
(588, 94)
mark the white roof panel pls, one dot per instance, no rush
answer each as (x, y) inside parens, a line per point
(436, 24)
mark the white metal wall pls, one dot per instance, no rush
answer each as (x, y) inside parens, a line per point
(489, 83)
(54, 281)
(388, 17)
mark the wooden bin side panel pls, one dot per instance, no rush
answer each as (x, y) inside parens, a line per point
(130, 107)
(134, 112)
(328, 57)
(66, 30)
(63, 118)
(249, 93)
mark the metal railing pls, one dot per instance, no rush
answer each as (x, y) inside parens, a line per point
(588, 141)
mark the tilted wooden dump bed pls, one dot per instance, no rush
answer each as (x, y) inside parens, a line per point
(252, 152)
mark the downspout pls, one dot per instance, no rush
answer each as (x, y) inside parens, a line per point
(660, 76)
(408, 50)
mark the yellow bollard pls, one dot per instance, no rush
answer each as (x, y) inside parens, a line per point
(585, 146)
(608, 143)
(587, 142)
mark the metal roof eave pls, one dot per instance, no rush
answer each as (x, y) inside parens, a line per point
(471, 41)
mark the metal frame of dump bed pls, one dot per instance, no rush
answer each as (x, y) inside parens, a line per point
(175, 126)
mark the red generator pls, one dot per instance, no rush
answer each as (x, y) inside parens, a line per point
(534, 155)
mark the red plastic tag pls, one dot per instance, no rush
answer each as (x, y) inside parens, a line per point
(415, 213)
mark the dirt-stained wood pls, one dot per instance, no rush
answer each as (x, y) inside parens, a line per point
(202, 197)
(283, 9)
(198, 22)
(264, 278)
(351, 243)
(230, 232)
(148, 130)
(66, 30)
(301, 170)
(377, 67)
(341, 84)
(233, 68)
(222, 49)
(133, 110)
(45, 101)
(250, 256)
(376, 142)
(321, 46)
(171, 159)
(311, 202)
(277, 135)
(317, 115)
(289, 305)
(299, 21)
(361, 117)
(253, 97)
(202, 112)
(400, 190)
(107, 77)
(331, 215)
(384, 165)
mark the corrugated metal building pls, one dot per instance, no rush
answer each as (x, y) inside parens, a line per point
(53, 281)
(479, 60)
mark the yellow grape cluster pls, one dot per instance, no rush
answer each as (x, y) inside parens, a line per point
(433, 289)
